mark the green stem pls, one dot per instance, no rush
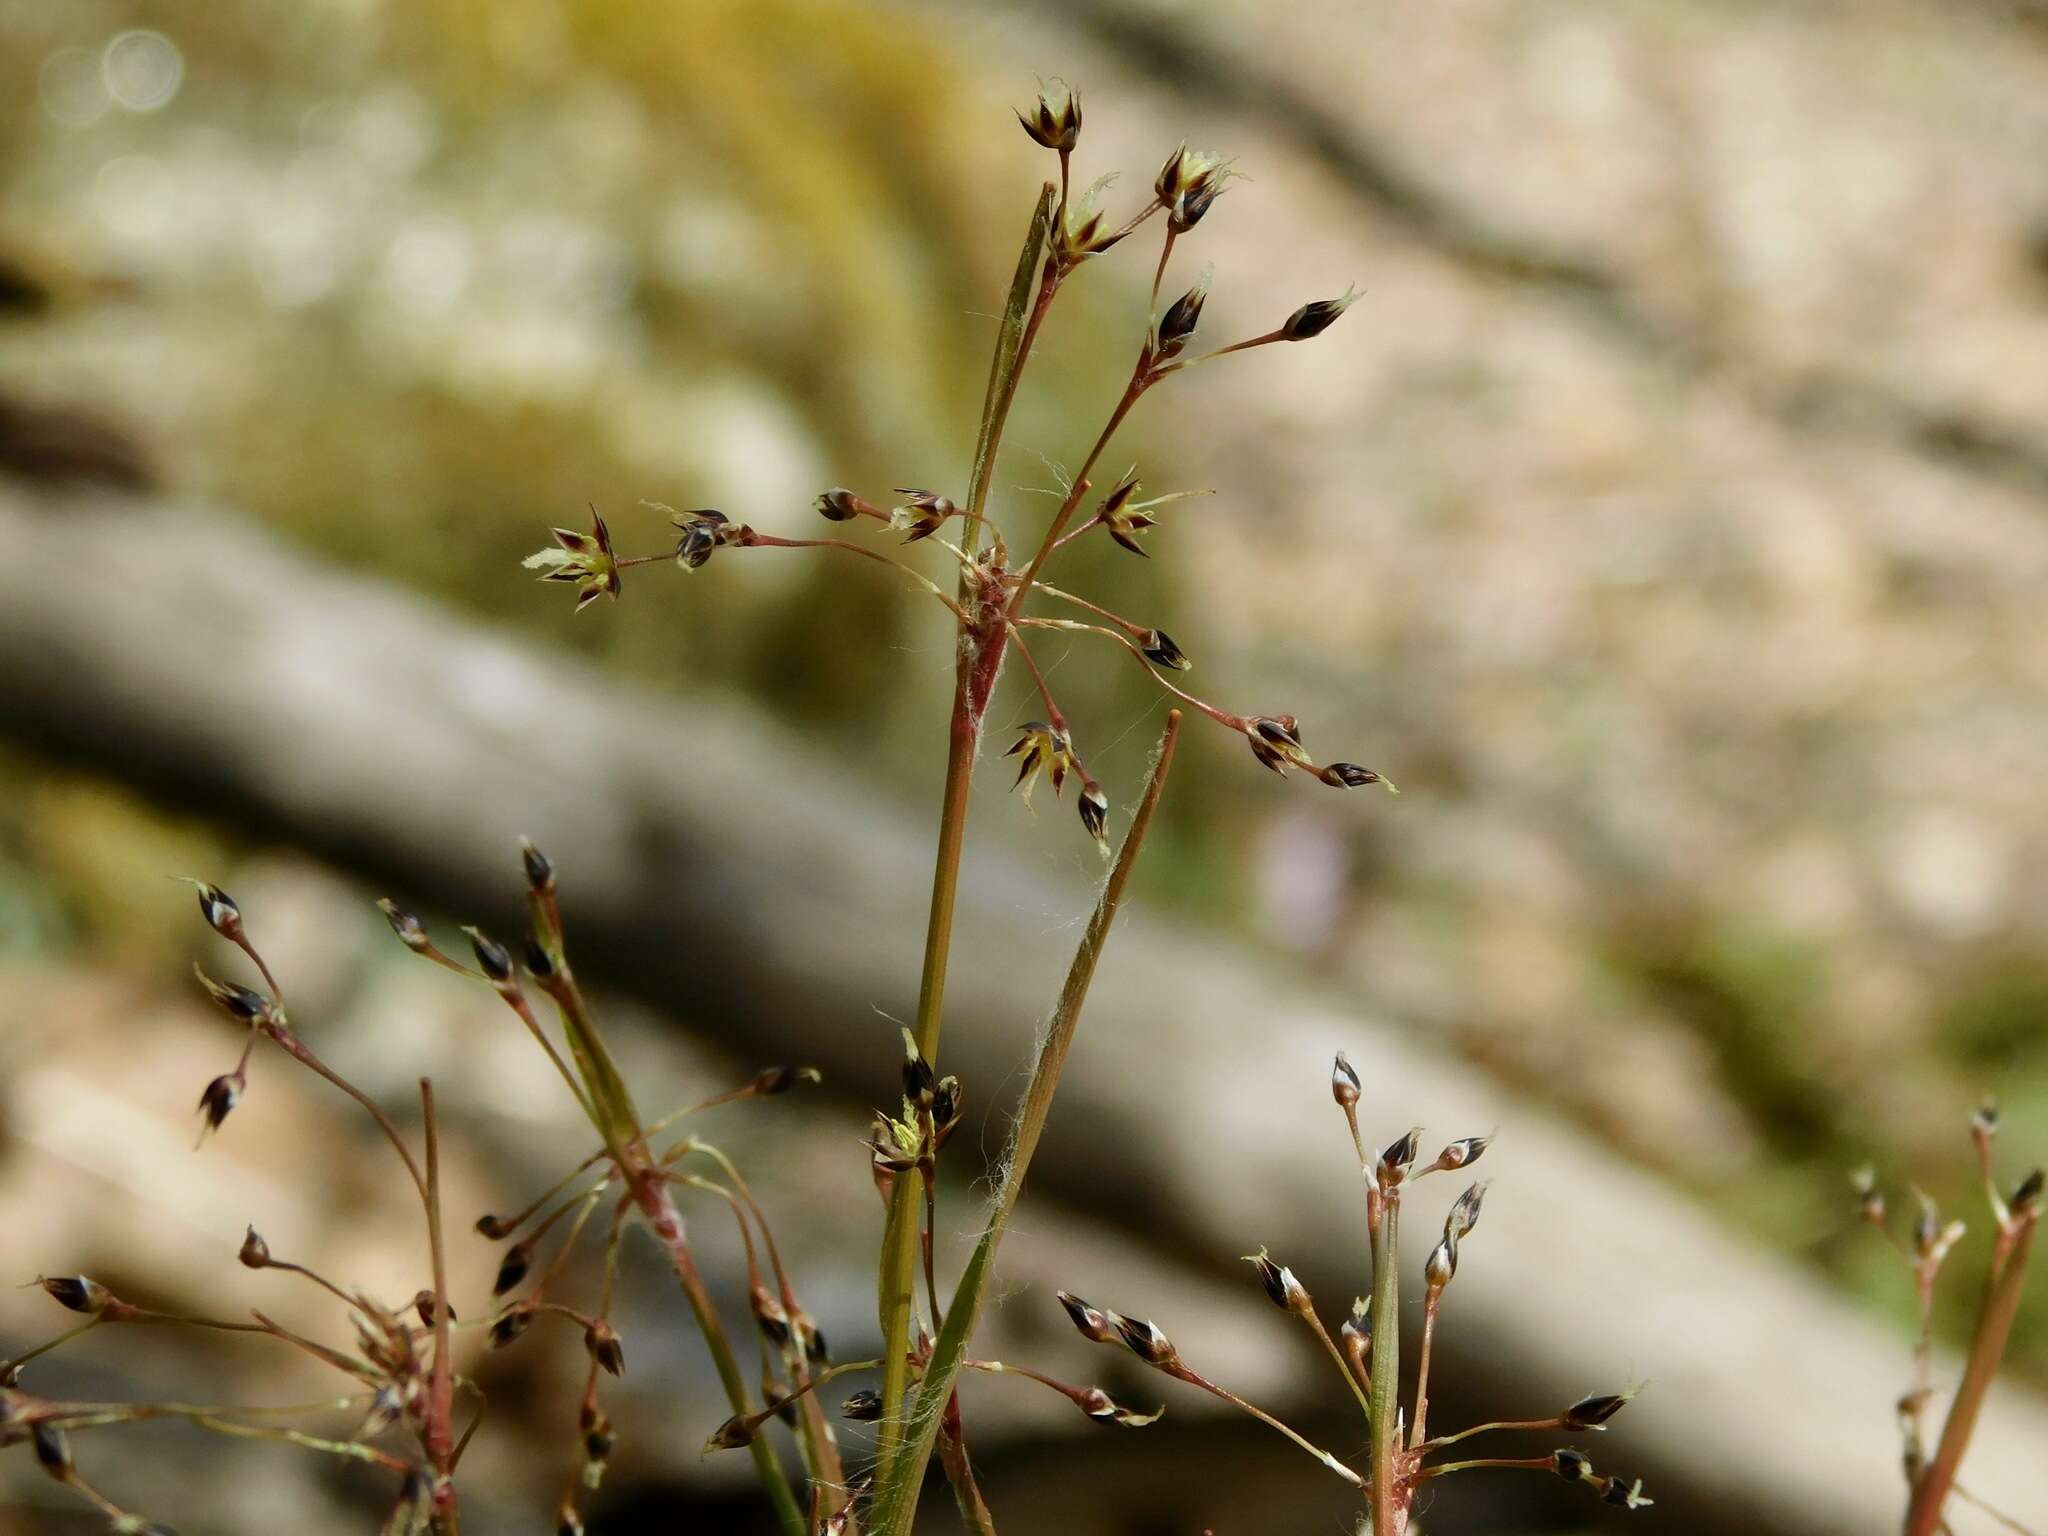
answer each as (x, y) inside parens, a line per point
(1987, 1349)
(896, 1276)
(651, 1194)
(899, 1478)
(1386, 1365)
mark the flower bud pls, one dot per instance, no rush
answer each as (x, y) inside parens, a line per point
(53, 1450)
(1093, 805)
(920, 1082)
(735, 1432)
(538, 960)
(513, 1267)
(583, 558)
(602, 1340)
(1628, 1495)
(1570, 1465)
(412, 933)
(863, 1407)
(701, 530)
(1345, 1087)
(1177, 324)
(239, 1003)
(76, 1293)
(1275, 740)
(1395, 1161)
(1288, 1293)
(2026, 1199)
(1188, 185)
(509, 1325)
(1316, 318)
(1464, 1214)
(219, 1099)
(255, 1253)
(494, 1228)
(1356, 1335)
(219, 910)
(1594, 1412)
(1463, 1152)
(429, 1309)
(924, 514)
(769, 1316)
(1348, 776)
(1159, 649)
(598, 1437)
(1146, 1341)
(1441, 1264)
(773, 1080)
(540, 869)
(1104, 1409)
(492, 958)
(839, 505)
(1093, 1323)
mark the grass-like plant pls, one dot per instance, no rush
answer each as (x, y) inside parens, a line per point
(414, 1407)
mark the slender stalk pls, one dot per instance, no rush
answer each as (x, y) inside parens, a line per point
(974, 1511)
(657, 1206)
(895, 1275)
(1386, 1364)
(1987, 1350)
(1265, 1418)
(899, 1477)
(1430, 1302)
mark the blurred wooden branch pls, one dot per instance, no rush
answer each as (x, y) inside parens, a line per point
(711, 867)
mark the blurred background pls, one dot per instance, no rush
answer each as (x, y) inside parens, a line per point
(1668, 517)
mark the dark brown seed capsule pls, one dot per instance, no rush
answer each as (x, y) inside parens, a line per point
(220, 911)
(255, 1253)
(1345, 1087)
(1093, 1323)
(492, 958)
(540, 869)
(510, 1326)
(1315, 318)
(863, 1407)
(219, 1099)
(540, 964)
(77, 1293)
(1594, 1412)
(1570, 1465)
(53, 1451)
(410, 930)
(513, 1267)
(1160, 650)
(602, 1340)
(1348, 776)
(732, 1434)
(1146, 1341)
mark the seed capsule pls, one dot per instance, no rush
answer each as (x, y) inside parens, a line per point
(540, 869)
(513, 1267)
(1594, 1412)
(1345, 1087)
(219, 910)
(1159, 649)
(863, 1407)
(492, 958)
(219, 1099)
(255, 1253)
(1315, 318)
(602, 1340)
(412, 933)
(77, 1293)
(1146, 1341)
(1093, 1323)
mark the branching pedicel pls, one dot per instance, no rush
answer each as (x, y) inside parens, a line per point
(1931, 1479)
(1403, 1456)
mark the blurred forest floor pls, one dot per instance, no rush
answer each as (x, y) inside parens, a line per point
(1669, 517)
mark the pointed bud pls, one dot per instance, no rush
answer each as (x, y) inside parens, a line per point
(1345, 1087)
(1316, 318)
(773, 1080)
(76, 1293)
(255, 1253)
(1628, 1495)
(598, 1438)
(602, 1340)
(219, 1099)
(1441, 1264)
(839, 505)
(1178, 323)
(1356, 1335)
(53, 1451)
(732, 1434)
(1395, 1161)
(429, 1309)
(509, 1325)
(1093, 1323)
(920, 1082)
(513, 1267)
(1348, 776)
(412, 933)
(492, 958)
(863, 1407)
(495, 1228)
(540, 869)
(1594, 1412)
(539, 962)
(1463, 1152)
(1093, 805)
(1464, 1214)
(2026, 1199)
(1146, 1341)
(219, 910)
(1104, 1409)
(1288, 1293)
(239, 1003)
(1159, 649)
(1570, 1465)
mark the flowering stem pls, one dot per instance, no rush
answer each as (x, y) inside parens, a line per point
(1430, 1301)
(1387, 1519)
(657, 1206)
(1987, 1349)
(898, 1479)
(1193, 1379)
